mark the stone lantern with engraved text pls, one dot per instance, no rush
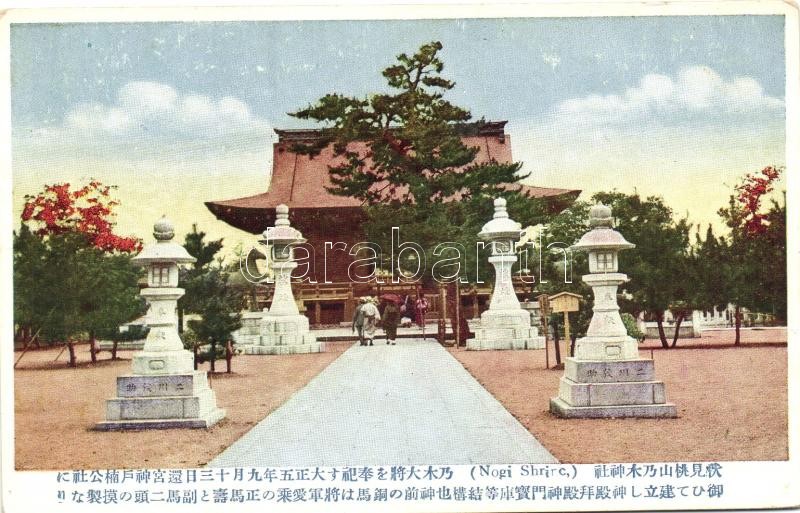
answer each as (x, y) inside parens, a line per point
(606, 377)
(163, 390)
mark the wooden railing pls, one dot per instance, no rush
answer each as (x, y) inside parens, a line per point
(329, 303)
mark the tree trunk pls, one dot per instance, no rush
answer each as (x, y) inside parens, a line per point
(678, 322)
(661, 334)
(28, 340)
(737, 315)
(194, 351)
(572, 345)
(180, 320)
(114, 350)
(73, 361)
(93, 347)
(213, 355)
(557, 344)
(228, 356)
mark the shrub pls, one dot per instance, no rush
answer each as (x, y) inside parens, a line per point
(631, 327)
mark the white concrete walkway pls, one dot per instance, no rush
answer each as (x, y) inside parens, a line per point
(412, 403)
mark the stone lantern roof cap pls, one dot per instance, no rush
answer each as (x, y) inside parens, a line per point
(283, 232)
(164, 250)
(602, 235)
(600, 215)
(501, 226)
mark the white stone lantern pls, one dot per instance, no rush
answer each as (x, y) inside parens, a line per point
(164, 390)
(606, 377)
(505, 325)
(162, 293)
(606, 336)
(281, 239)
(284, 330)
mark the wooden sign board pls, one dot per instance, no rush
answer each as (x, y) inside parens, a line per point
(565, 302)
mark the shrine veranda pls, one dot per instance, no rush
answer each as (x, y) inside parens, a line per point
(446, 260)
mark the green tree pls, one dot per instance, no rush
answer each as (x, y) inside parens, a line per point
(192, 276)
(66, 290)
(73, 277)
(561, 268)
(112, 298)
(710, 272)
(755, 261)
(31, 289)
(209, 293)
(657, 266)
(402, 154)
(221, 306)
(772, 255)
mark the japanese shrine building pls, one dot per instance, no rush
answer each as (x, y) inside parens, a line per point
(300, 182)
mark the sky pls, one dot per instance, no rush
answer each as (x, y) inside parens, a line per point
(176, 114)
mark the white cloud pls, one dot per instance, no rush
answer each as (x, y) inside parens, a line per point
(151, 120)
(687, 137)
(695, 93)
(159, 109)
(147, 98)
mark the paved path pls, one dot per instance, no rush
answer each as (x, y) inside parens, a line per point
(412, 403)
(346, 331)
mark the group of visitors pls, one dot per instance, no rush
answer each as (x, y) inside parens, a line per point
(365, 320)
(414, 309)
(391, 313)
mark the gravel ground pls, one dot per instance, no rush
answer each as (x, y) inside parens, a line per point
(732, 405)
(725, 337)
(56, 406)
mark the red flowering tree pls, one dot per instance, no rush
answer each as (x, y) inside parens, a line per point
(87, 210)
(749, 216)
(756, 247)
(73, 276)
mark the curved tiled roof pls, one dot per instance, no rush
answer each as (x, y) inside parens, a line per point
(301, 182)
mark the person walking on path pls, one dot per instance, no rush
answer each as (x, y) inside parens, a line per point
(421, 309)
(391, 318)
(407, 308)
(371, 318)
(359, 319)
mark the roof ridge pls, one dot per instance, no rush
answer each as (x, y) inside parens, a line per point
(481, 128)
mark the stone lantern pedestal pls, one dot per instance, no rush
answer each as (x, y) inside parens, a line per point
(505, 325)
(163, 389)
(284, 330)
(606, 377)
(250, 331)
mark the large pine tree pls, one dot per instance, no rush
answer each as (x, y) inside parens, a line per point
(401, 153)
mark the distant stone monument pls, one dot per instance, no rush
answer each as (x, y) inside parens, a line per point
(164, 390)
(284, 330)
(505, 325)
(606, 377)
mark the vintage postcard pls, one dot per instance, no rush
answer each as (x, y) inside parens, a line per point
(440, 257)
